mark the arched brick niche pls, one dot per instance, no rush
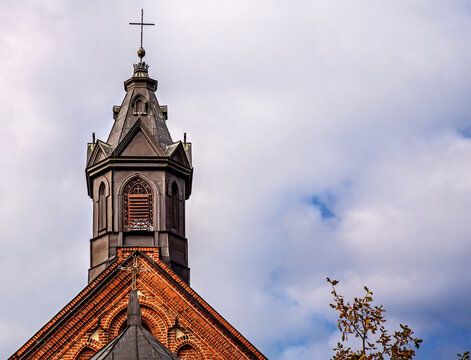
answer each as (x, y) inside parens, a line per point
(151, 321)
(124, 324)
(85, 354)
(188, 352)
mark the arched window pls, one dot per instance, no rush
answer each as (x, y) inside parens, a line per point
(175, 208)
(101, 207)
(140, 106)
(137, 201)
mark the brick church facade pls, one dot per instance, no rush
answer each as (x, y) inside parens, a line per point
(139, 180)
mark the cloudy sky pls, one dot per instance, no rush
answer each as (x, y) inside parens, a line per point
(331, 138)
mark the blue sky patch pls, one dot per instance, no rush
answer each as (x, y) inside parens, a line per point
(465, 132)
(323, 204)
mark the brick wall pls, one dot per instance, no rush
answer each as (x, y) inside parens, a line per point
(98, 314)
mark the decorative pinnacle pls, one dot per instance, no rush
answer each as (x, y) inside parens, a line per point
(140, 69)
(141, 52)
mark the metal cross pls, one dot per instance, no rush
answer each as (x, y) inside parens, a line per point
(135, 270)
(142, 23)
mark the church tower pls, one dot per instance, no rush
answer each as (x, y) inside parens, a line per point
(139, 180)
(138, 303)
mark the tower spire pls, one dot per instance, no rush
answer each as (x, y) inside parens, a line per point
(139, 180)
(141, 52)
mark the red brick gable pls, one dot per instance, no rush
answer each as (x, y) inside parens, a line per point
(97, 314)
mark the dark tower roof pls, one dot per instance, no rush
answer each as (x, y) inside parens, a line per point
(134, 343)
(140, 88)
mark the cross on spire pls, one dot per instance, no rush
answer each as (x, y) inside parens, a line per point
(141, 52)
(135, 270)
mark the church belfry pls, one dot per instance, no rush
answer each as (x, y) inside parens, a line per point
(139, 180)
(138, 303)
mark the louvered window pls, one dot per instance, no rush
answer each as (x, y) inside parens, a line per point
(137, 210)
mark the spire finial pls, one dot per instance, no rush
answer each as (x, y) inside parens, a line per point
(141, 52)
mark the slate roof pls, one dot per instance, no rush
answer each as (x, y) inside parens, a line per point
(152, 120)
(140, 85)
(134, 342)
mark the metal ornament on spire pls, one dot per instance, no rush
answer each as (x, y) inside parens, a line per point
(141, 52)
(135, 270)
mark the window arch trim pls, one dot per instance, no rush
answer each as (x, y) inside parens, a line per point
(139, 105)
(102, 207)
(183, 342)
(174, 212)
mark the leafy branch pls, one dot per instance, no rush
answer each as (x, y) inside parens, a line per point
(365, 321)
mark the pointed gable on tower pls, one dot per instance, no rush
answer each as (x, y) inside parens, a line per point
(177, 153)
(138, 142)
